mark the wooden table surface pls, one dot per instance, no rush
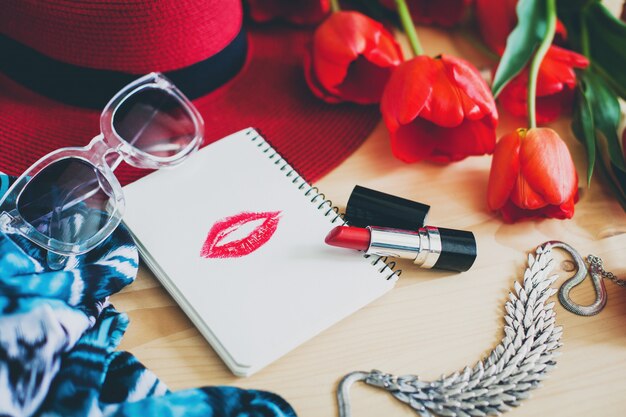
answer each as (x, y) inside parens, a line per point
(432, 322)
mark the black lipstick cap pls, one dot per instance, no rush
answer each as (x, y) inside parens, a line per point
(458, 250)
(368, 207)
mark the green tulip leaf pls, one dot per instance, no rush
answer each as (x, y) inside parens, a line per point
(522, 42)
(606, 114)
(569, 12)
(597, 113)
(620, 177)
(607, 45)
(584, 128)
(573, 6)
(613, 182)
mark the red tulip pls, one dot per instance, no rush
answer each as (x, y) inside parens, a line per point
(497, 18)
(555, 86)
(439, 109)
(439, 12)
(302, 12)
(532, 175)
(351, 59)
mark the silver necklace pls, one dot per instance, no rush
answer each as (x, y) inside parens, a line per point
(517, 365)
(596, 272)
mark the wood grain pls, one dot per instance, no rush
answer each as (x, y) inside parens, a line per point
(432, 322)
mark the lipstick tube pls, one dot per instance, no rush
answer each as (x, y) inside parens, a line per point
(428, 247)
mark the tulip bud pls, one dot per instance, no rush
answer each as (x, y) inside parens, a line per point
(555, 86)
(350, 59)
(496, 20)
(439, 109)
(532, 175)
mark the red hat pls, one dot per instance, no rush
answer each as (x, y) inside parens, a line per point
(63, 60)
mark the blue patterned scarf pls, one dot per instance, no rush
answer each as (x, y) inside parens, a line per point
(58, 336)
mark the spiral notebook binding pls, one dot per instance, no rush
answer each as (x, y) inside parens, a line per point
(315, 196)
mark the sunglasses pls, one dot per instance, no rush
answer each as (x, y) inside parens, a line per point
(70, 201)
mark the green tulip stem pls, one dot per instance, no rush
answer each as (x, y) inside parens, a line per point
(409, 27)
(334, 6)
(537, 59)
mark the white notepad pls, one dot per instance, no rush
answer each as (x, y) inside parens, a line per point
(258, 306)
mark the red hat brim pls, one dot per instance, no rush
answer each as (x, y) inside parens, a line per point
(269, 93)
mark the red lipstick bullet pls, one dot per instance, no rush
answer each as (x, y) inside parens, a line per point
(349, 237)
(428, 247)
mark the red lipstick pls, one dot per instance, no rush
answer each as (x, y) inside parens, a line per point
(242, 247)
(349, 237)
(428, 247)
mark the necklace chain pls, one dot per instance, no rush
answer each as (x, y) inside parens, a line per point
(595, 264)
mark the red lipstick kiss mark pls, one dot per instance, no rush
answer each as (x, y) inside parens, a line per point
(242, 247)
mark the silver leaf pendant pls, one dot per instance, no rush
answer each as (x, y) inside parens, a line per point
(505, 377)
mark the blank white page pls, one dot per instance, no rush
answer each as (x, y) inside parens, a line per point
(256, 307)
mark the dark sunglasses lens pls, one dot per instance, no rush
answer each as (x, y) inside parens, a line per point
(69, 200)
(154, 121)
